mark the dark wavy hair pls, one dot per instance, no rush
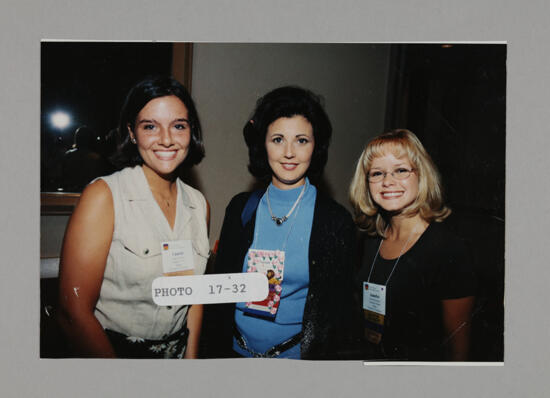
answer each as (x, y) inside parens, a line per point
(152, 87)
(287, 101)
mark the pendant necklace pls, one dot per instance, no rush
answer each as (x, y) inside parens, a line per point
(281, 220)
(396, 261)
(162, 199)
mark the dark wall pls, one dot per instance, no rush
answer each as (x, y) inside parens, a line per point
(89, 81)
(454, 99)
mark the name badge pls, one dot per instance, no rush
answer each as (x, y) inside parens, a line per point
(374, 308)
(177, 255)
(271, 263)
(374, 298)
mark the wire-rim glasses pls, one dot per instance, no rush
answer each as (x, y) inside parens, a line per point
(400, 173)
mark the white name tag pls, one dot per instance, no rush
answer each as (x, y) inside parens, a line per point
(209, 289)
(177, 255)
(374, 297)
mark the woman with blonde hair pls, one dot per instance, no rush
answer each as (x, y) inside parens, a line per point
(416, 280)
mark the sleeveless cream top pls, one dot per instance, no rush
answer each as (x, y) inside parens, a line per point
(125, 302)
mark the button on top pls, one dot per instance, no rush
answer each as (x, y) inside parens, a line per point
(146, 251)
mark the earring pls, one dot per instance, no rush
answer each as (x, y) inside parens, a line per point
(133, 140)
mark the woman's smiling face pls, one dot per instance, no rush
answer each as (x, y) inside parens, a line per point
(163, 134)
(393, 194)
(289, 143)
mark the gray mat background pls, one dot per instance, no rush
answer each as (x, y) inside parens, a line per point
(527, 350)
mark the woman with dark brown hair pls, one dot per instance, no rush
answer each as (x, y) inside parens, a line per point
(289, 231)
(116, 238)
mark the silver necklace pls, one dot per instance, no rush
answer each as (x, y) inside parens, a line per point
(396, 261)
(281, 220)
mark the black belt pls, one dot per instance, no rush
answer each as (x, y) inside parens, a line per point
(274, 351)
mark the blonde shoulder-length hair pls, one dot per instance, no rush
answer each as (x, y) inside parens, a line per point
(429, 202)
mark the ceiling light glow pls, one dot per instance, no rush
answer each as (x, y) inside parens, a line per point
(60, 120)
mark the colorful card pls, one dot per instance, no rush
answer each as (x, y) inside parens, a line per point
(271, 264)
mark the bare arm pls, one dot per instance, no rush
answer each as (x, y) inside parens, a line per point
(85, 248)
(194, 317)
(456, 320)
(194, 324)
(207, 217)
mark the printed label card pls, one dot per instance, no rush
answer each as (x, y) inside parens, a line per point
(177, 258)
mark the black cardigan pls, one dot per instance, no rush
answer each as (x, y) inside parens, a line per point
(329, 303)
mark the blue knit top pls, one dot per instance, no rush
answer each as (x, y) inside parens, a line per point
(292, 237)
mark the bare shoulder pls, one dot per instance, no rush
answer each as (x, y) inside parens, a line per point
(97, 192)
(95, 205)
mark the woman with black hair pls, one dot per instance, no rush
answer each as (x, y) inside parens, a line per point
(116, 239)
(294, 234)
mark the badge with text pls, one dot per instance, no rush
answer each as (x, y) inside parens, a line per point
(177, 256)
(271, 264)
(374, 308)
(209, 289)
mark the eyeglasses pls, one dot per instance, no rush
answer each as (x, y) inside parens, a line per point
(400, 173)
